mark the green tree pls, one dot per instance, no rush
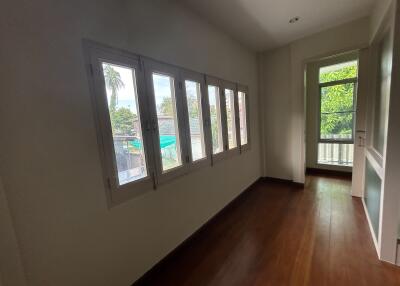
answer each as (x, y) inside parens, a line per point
(122, 121)
(193, 106)
(214, 127)
(349, 71)
(114, 83)
(166, 107)
(337, 101)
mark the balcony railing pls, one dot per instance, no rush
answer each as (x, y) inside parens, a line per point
(339, 154)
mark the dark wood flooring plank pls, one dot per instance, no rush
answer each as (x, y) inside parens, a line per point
(280, 235)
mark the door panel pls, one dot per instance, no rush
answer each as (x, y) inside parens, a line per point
(360, 126)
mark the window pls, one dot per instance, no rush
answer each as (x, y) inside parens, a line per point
(242, 117)
(230, 118)
(338, 85)
(341, 71)
(169, 143)
(123, 109)
(337, 111)
(122, 117)
(381, 94)
(157, 121)
(195, 114)
(215, 118)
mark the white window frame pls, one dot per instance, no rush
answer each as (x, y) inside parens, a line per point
(199, 78)
(213, 81)
(150, 67)
(244, 89)
(95, 56)
(353, 81)
(232, 86)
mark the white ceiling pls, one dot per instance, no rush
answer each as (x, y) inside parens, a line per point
(264, 24)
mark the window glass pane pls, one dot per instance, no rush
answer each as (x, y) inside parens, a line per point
(338, 71)
(372, 191)
(215, 116)
(124, 114)
(337, 98)
(164, 93)
(242, 117)
(338, 126)
(335, 154)
(193, 98)
(337, 111)
(230, 118)
(382, 94)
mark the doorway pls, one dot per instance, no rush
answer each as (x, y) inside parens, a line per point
(331, 104)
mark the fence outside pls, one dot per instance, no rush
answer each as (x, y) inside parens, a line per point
(340, 154)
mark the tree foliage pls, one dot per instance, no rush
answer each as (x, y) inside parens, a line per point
(121, 118)
(349, 71)
(166, 107)
(122, 121)
(337, 108)
(114, 83)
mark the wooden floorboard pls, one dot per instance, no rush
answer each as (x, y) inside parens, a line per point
(280, 235)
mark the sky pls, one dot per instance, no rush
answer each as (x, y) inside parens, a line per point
(162, 87)
(127, 94)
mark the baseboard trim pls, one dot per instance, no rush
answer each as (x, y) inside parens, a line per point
(331, 173)
(141, 281)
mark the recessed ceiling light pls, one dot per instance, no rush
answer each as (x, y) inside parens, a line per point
(294, 20)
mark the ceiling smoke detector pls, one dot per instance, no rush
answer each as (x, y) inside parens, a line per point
(294, 20)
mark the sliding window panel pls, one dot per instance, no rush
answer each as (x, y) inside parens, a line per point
(168, 120)
(216, 102)
(231, 117)
(121, 115)
(244, 117)
(197, 118)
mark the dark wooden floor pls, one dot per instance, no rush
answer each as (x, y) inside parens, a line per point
(279, 235)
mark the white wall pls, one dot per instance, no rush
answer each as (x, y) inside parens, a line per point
(11, 270)
(378, 13)
(275, 82)
(51, 169)
(290, 115)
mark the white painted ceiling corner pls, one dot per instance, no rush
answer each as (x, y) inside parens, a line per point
(264, 24)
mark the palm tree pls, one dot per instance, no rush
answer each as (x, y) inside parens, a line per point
(113, 82)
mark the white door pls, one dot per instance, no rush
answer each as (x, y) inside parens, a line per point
(360, 125)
